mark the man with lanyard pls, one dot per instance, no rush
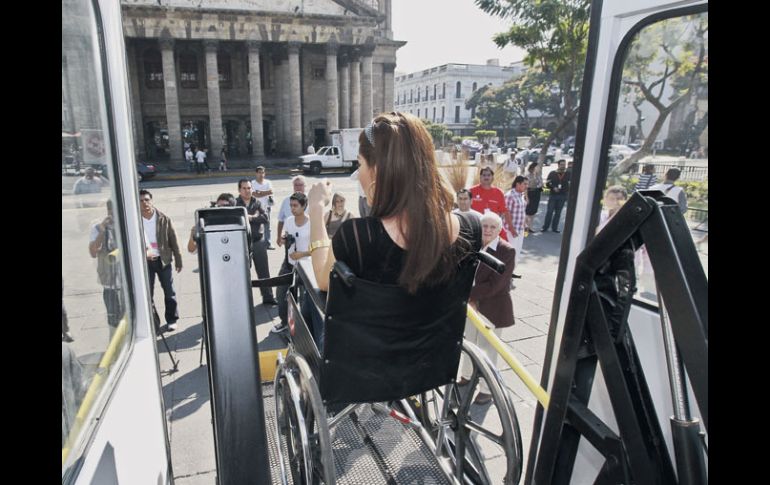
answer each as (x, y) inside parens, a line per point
(161, 245)
(263, 191)
(516, 204)
(486, 198)
(257, 217)
(558, 183)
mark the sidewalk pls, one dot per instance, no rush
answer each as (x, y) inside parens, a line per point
(179, 170)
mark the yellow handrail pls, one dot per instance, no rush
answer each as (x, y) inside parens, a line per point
(508, 356)
(109, 357)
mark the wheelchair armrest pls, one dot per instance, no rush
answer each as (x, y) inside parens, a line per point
(344, 272)
(491, 261)
(282, 280)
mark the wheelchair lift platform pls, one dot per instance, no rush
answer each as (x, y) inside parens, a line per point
(371, 449)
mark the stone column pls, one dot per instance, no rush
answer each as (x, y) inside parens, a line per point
(136, 102)
(388, 80)
(255, 102)
(285, 106)
(173, 122)
(295, 106)
(215, 106)
(344, 93)
(332, 99)
(278, 100)
(367, 107)
(355, 90)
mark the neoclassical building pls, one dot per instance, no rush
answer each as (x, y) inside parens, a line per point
(439, 94)
(259, 77)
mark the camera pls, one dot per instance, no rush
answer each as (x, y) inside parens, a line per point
(289, 240)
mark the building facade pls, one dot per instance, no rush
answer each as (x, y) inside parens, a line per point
(257, 77)
(439, 94)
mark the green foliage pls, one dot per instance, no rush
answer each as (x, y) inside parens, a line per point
(457, 139)
(670, 56)
(554, 33)
(540, 135)
(485, 134)
(440, 133)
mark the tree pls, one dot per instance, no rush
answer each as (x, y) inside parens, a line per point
(484, 135)
(667, 57)
(438, 132)
(555, 35)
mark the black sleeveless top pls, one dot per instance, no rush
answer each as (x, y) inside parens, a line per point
(365, 246)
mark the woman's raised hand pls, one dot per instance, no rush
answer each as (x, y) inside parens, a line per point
(320, 193)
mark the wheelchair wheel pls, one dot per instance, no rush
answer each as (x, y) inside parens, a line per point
(469, 434)
(302, 425)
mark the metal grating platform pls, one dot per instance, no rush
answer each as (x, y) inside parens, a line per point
(369, 449)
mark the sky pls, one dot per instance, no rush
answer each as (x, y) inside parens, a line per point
(443, 31)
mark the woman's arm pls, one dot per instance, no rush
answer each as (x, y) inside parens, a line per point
(322, 257)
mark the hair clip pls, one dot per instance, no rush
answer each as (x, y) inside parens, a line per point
(369, 134)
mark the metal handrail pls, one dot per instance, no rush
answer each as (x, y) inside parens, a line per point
(484, 329)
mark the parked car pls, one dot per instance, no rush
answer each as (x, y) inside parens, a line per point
(145, 171)
(550, 156)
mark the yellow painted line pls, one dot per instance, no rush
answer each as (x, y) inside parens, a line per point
(102, 371)
(508, 356)
(267, 364)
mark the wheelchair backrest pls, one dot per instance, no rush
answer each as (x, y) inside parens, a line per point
(383, 344)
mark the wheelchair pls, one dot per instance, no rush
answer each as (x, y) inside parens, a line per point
(390, 353)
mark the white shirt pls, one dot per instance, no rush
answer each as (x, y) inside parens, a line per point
(151, 235)
(264, 186)
(492, 244)
(301, 235)
(200, 156)
(674, 192)
(188, 155)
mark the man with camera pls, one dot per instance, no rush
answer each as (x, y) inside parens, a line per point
(257, 217)
(263, 190)
(102, 243)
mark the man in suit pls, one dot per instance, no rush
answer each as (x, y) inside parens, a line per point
(491, 297)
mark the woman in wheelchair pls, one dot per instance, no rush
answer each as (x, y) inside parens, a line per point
(394, 315)
(411, 237)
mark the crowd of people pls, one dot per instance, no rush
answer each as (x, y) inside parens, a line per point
(403, 237)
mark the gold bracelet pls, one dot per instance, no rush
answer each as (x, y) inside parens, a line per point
(321, 243)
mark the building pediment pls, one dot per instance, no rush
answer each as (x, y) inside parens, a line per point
(339, 8)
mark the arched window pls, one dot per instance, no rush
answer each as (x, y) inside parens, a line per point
(458, 90)
(418, 95)
(225, 72)
(153, 69)
(443, 90)
(188, 70)
(411, 95)
(435, 88)
(426, 93)
(474, 87)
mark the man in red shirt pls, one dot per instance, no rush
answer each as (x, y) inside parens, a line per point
(485, 197)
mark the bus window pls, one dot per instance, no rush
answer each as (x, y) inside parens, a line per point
(96, 310)
(660, 135)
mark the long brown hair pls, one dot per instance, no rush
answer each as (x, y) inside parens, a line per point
(408, 183)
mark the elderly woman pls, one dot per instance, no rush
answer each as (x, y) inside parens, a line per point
(491, 297)
(337, 215)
